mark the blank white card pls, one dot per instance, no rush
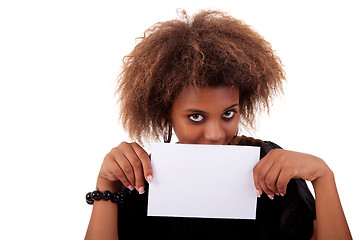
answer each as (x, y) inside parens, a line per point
(206, 181)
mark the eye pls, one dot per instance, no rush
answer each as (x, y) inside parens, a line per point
(196, 118)
(229, 114)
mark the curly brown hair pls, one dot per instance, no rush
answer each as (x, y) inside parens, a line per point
(208, 50)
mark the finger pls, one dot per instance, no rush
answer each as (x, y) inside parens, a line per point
(282, 182)
(264, 161)
(123, 163)
(114, 172)
(272, 178)
(261, 173)
(257, 174)
(145, 160)
(281, 171)
(137, 168)
(119, 174)
(265, 189)
(256, 179)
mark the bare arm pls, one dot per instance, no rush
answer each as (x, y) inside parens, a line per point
(331, 222)
(103, 221)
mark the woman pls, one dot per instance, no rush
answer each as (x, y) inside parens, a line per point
(202, 78)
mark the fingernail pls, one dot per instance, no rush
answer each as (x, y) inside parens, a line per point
(149, 178)
(258, 193)
(282, 194)
(141, 190)
(271, 197)
(130, 187)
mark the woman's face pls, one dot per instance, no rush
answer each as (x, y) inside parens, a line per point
(208, 115)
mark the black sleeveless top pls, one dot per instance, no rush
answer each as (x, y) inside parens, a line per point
(288, 217)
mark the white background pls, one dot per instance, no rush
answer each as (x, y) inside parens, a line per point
(58, 65)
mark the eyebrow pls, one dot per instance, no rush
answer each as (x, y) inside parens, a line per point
(200, 111)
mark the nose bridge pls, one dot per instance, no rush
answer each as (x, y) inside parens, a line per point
(214, 130)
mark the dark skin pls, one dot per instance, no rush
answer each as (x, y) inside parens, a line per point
(206, 117)
(211, 116)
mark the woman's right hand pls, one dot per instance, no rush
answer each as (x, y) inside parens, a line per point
(128, 163)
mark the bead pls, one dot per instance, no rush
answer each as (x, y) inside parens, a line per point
(96, 195)
(89, 199)
(106, 195)
(116, 197)
(122, 200)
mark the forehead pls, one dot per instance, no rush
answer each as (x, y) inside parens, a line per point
(192, 97)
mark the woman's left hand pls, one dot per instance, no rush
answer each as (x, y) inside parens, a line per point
(274, 171)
